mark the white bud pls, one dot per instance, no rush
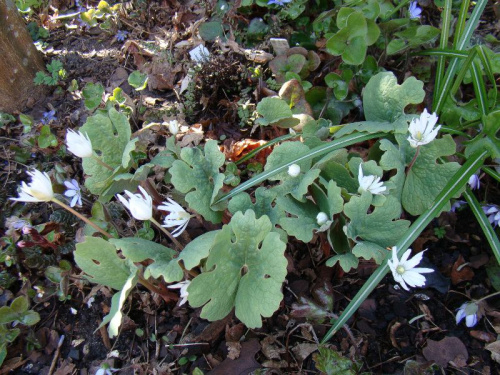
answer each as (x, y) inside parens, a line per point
(294, 170)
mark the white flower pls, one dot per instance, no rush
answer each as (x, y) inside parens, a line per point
(39, 190)
(323, 222)
(422, 130)
(173, 127)
(178, 217)
(294, 170)
(73, 191)
(73, 311)
(370, 183)
(79, 144)
(414, 10)
(140, 206)
(469, 312)
(404, 271)
(183, 285)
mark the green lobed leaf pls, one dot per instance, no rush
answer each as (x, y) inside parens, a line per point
(110, 134)
(381, 227)
(92, 93)
(210, 31)
(138, 80)
(273, 110)
(385, 100)
(245, 270)
(138, 250)
(263, 205)
(98, 259)
(297, 185)
(427, 178)
(199, 171)
(369, 250)
(302, 223)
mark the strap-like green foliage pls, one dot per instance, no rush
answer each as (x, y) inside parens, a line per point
(263, 205)
(246, 268)
(114, 318)
(381, 226)
(197, 174)
(110, 134)
(298, 185)
(427, 178)
(138, 250)
(98, 259)
(385, 100)
(400, 125)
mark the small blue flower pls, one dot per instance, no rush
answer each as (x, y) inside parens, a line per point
(415, 10)
(48, 117)
(278, 2)
(457, 204)
(121, 35)
(469, 311)
(474, 182)
(493, 213)
(73, 191)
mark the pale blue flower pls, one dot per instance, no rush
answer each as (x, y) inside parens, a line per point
(278, 2)
(73, 191)
(121, 35)
(48, 117)
(474, 182)
(493, 213)
(415, 10)
(468, 310)
(457, 204)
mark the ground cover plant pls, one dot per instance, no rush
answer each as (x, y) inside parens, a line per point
(257, 186)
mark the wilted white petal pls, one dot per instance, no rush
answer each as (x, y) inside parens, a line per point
(183, 285)
(178, 217)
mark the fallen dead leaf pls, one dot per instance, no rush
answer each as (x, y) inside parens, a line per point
(234, 349)
(304, 350)
(244, 365)
(483, 336)
(459, 272)
(494, 348)
(445, 350)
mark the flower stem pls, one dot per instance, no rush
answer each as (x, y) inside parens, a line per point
(167, 233)
(105, 165)
(491, 295)
(413, 160)
(81, 217)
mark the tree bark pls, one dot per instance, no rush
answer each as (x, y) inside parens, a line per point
(19, 61)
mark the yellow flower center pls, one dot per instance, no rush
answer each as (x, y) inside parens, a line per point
(419, 135)
(400, 269)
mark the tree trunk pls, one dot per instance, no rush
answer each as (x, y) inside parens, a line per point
(19, 61)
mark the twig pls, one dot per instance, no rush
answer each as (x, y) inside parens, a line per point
(56, 355)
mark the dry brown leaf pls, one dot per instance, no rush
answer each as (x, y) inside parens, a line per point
(459, 272)
(234, 349)
(494, 348)
(445, 350)
(304, 350)
(483, 336)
